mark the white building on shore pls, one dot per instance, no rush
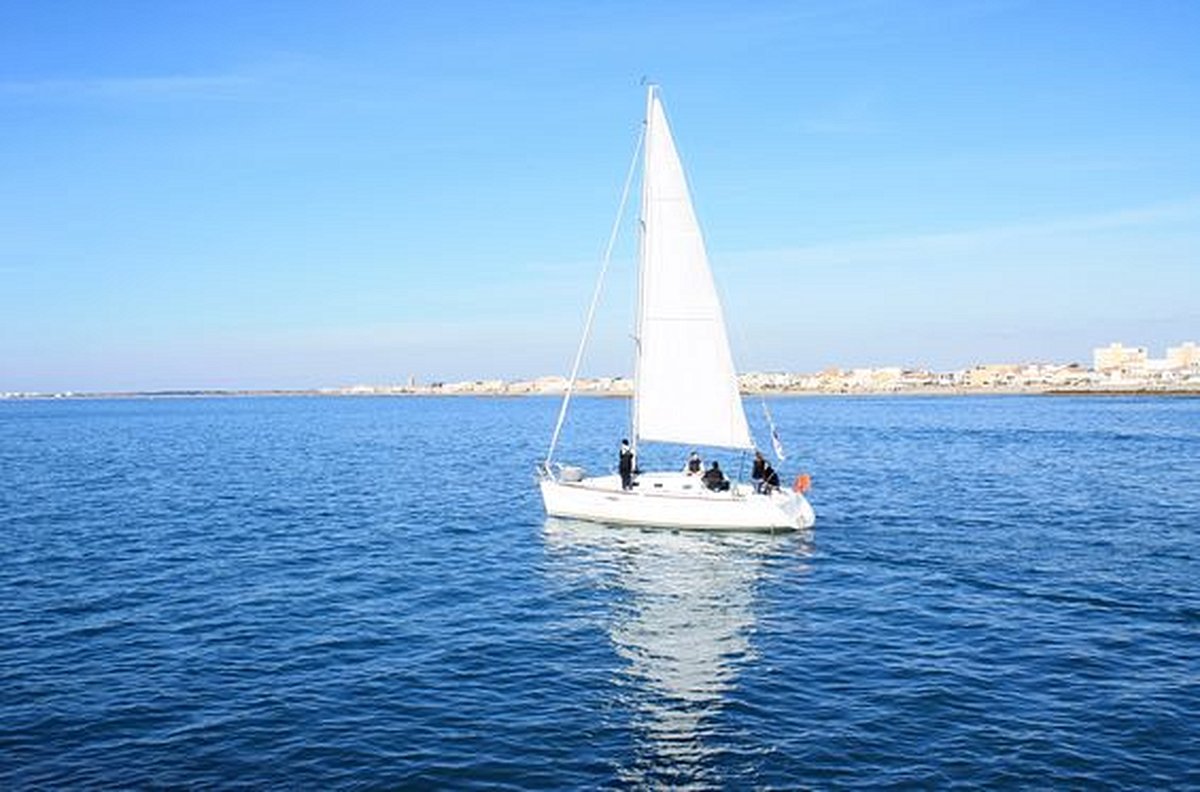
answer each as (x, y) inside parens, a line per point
(1117, 364)
(1184, 356)
(1118, 358)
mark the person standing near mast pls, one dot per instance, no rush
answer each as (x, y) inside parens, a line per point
(625, 465)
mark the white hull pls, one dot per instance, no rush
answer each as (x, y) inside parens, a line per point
(675, 500)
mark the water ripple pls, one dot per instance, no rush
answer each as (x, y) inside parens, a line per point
(364, 593)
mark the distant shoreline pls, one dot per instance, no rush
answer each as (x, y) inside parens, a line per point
(434, 393)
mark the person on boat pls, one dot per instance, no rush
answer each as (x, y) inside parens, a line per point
(770, 481)
(625, 465)
(758, 472)
(694, 466)
(714, 479)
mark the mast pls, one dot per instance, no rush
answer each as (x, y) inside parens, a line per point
(651, 91)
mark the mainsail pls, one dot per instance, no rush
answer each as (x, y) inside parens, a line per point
(687, 390)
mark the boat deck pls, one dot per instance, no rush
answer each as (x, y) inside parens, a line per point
(665, 484)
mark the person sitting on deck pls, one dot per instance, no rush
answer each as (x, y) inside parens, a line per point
(714, 479)
(694, 466)
(760, 466)
(770, 479)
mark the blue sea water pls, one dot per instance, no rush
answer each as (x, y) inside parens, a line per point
(364, 593)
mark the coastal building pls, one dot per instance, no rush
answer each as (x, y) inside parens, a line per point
(1118, 358)
(491, 386)
(768, 381)
(831, 380)
(944, 379)
(550, 384)
(887, 379)
(992, 375)
(916, 379)
(605, 385)
(1184, 356)
(1071, 375)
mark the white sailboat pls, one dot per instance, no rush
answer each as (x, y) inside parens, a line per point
(685, 384)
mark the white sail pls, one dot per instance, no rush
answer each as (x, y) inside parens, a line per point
(687, 390)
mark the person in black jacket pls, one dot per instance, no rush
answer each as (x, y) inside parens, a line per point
(770, 479)
(759, 471)
(714, 479)
(625, 465)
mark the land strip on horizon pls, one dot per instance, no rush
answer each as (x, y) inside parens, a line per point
(1031, 379)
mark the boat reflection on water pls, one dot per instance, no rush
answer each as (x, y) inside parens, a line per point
(682, 621)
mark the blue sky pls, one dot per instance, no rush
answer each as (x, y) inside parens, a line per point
(231, 194)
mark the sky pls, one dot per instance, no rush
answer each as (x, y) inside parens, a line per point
(295, 194)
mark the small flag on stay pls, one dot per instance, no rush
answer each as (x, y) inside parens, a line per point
(775, 442)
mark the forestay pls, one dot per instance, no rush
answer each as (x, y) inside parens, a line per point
(687, 390)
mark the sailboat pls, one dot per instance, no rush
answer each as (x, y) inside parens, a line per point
(685, 385)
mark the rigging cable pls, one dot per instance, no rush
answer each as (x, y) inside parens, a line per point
(587, 326)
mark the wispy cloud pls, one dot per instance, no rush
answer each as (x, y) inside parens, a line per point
(129, 87)
(229, 84)
(984, 240)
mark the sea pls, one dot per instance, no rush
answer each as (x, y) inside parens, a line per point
(365, 593)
